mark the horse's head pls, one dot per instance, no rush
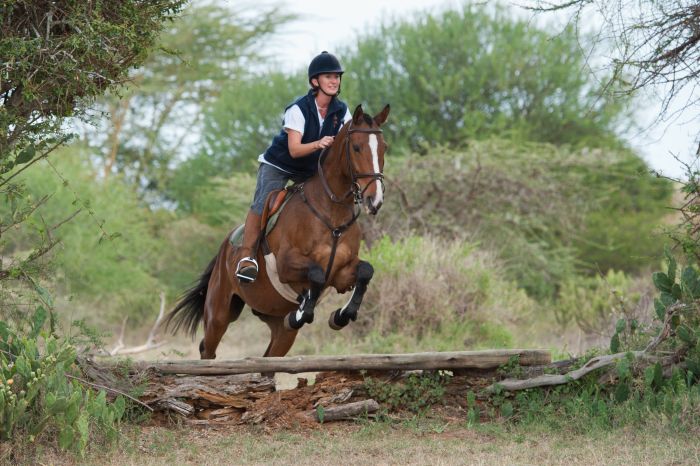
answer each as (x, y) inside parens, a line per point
(364, 149)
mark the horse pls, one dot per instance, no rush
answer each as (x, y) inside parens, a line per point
(312, 248)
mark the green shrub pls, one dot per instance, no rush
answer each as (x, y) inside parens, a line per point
(595, 303)
(429, 294)
(548, 212)
(41, 398)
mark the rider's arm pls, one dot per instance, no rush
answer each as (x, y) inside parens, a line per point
(298, 149)
(294, 127)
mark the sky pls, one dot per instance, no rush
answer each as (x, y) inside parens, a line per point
(328, 25)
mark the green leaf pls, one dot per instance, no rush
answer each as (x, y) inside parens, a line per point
(689, 278)
(622, 392)
(23, 367)
(320, 413)
(649, 376)
(667, 298)
(43, 293)
(615, 343)
(686, 334)
(671, 261)
(26, 155)
(660, 309)
(83, 429)
(620, 326)
(38, 320)
(65, 438)
(119, 406)
(662, 282)
(676, 291)
(658, 376)
(507, 409)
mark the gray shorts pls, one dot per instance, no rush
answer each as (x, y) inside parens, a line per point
(269, 179)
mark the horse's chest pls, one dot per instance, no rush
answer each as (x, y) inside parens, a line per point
(321, 254)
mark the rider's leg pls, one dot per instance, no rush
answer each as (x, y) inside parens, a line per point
(247, 269)
(269, 179)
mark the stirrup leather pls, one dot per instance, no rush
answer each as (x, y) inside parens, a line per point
(248, 273)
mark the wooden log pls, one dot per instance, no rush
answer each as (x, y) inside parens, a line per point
(487, 359)
(237, 391)
(346, 411)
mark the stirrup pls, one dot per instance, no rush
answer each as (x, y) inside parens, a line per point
(248, 273)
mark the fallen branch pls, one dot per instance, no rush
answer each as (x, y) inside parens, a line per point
(150, 344)
(347, 411)
(594, 363)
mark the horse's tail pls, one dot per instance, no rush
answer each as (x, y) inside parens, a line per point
(190, 309)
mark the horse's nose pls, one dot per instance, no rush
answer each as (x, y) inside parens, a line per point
(372, 205)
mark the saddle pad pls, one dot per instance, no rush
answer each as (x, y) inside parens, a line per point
(286, 291)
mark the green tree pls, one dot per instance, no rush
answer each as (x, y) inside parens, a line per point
(55, 59)
(549, 212)
(155, 122)
(479, 72)
(57, 56)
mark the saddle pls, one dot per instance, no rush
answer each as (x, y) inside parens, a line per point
(274, 204)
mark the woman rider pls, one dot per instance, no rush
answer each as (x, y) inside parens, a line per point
(310, 124)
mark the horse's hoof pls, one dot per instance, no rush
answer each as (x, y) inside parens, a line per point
(337, 321)
(294, 320)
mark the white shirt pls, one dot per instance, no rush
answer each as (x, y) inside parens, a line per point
(294, 120)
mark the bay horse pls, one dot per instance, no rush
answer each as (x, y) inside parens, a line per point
(312, 248)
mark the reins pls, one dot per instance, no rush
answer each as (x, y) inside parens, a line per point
(355, 191)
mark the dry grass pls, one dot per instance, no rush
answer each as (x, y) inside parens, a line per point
(426, 442)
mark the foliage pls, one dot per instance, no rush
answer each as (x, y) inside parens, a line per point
(584, 406)
(477, 72)
(650, 44)
(536, 204)
(208, 187)
(155, 123)
(595, 302)
(56, 56)
(40, 395)
(122, 271)
(430, 294)
(417, 393)
(241, 123)
(470, 73)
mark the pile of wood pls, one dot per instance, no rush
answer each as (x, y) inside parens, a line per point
(211, 392)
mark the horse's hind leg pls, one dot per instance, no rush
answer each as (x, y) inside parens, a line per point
(281, 339)
(217, 315)
(342, 317)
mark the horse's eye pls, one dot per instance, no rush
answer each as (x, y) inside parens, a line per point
(356, 148)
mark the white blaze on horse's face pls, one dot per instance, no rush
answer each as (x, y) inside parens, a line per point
(375, 201)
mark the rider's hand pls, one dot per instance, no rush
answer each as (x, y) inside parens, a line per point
(324, 142)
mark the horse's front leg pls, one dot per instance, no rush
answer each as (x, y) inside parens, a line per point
(342, 317)
(297, 268)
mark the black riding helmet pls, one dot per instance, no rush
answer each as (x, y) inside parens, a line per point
(324, 63)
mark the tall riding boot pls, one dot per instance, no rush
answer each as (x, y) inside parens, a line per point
(247, 270)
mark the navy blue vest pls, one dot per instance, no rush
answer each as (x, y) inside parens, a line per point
(278, 152)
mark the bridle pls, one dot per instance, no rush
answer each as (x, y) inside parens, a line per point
(355, 190)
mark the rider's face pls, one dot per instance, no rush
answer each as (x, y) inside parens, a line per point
(328, 82)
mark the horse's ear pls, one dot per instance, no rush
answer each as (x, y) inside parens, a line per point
(357, 115)
(380, 118)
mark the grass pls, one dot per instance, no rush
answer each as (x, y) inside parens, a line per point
(412, 441)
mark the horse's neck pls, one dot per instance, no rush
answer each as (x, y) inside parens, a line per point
(337, 181)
